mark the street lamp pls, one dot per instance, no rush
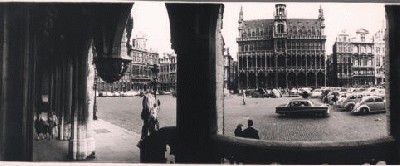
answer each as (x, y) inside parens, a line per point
(155, 70)
(95, 97)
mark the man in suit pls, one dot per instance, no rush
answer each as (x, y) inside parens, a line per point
(250, 132)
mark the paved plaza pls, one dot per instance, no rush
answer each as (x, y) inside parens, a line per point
(339, 126)
(118, 129)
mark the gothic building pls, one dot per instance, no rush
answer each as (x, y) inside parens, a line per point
(138, 74)
(379, 45)
(167, 75)
(142, 62)
(228, 70)
(281, 52)
(357, 61)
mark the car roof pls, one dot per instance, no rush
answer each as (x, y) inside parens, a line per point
(300, 99)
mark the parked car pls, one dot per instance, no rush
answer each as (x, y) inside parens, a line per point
(296, 106)
(316, 93)
(294, 92)
(380, 93)
(116, 94)
(370, 104)
(350, 101)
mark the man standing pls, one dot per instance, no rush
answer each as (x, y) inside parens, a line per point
(250, 132)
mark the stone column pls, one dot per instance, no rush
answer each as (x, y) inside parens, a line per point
(78, 142)
(91, 144)
(247, 79)
(392, 79)
(256, 75)
(16, 95)
(194, 28)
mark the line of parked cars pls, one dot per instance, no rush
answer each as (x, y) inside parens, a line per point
(130, 93)
(261, 92)
(354, 100)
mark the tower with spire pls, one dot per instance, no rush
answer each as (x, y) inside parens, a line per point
(321, 19)
(241, 21)
(280, 23)
(282, 51)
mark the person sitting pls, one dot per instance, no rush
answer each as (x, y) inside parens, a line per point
(250, 132)
(238, 131)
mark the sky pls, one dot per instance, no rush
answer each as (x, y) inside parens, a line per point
(151, 19)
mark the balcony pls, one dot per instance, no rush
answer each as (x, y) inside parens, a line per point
(307, 37)
(253, 38)
(280, 35)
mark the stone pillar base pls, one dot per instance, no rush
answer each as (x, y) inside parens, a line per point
(91, 146)
(78, 149)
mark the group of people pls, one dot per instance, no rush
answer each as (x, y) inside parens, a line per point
(249, 132)
(46, 129)
(149, 115)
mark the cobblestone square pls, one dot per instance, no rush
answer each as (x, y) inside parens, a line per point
(339, 126)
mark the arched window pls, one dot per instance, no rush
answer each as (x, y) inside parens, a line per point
(280, 28)
(369, 49)
(281, 61)
(355, 49)
(363, 49)
(294, 30)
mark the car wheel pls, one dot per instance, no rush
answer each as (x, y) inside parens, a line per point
(350, 107)
(364, 110)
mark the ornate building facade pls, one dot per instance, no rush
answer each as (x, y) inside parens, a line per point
(379, 45)
(167, 75)
(142, 62)
(341, 61)
(138, 74)
(357, 61)
(281, 52)
(228, 70)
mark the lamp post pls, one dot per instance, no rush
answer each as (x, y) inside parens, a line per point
(95, 97)
(155, 70)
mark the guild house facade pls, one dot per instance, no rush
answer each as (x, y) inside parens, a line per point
(281, 52)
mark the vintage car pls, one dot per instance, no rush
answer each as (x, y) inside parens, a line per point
(316, 93)
(370, 104)
(294, 92)
(349, 102)
(302, 106)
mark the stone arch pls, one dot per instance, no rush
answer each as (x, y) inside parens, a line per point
(262, 80)
(292, 80)
(320, 79)
(311, 79)
(252, 80)
(281, 61)
(301, 79)
(243, 80)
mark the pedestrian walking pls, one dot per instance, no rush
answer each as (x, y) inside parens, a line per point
(52, 125)
(154, 124)
(38, 127)
(244, 97)
(148, 103)
(55, 128)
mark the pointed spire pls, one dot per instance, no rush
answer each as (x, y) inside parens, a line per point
(241, 14)
(321, 13)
